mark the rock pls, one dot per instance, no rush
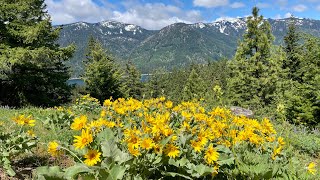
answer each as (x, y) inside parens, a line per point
(236, 110)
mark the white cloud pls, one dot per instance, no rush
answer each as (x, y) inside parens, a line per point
(237, 5)
(228, 18)
(149, 15)
(287, 15)
(299, 8)
(156, 15)
(68, 11)
(278, 16)
(282, 3)
(210, 3)
(263, 5)
(318, 8)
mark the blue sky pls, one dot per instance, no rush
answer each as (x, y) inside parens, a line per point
(155, 14)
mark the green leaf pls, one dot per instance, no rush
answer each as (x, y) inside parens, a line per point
(183, 161)
(105, 135)
(229, 161)
(9, 170)
(275, 169)
(76, 169)
(158, 160)
(165, 141)
(116, 172)
(224, 149)
(46, 172)
(203, 169)
(173, 174)
(173, 162)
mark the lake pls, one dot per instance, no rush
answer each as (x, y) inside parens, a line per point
(80, 82)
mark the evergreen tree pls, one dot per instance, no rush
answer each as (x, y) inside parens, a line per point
(155, 87)
(303, 98)
(194, 87)
(253, 75)
(103, 77)
(133, 84)
(292, 62)
(31, 62)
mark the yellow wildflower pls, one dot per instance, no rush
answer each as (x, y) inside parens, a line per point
(107, 103)
(92, 157)
(53, 148)
(103, 113)
(281, 141)
(22, 120)
(31, 133)
(162, 98)
(276, 151)
(81, 141)
(211, 155)
(134, 140)
(196, 145)
(147, 143)
(79, 123)
(172, 151)
(133, 150)
(94, 126)
(270, 138)
(169, 104)
(157, 148)
(267, 126)
(312, 168)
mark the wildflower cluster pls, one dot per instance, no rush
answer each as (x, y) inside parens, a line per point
(156, 133)
(15, 139)
(87, 103)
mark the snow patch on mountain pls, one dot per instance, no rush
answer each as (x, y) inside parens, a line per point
(199, 25)
(80, 25)
(130, 27)
(110, 24)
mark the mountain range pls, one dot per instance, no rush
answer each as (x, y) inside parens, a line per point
(175, 45)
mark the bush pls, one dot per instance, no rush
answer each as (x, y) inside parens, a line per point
(153, 139)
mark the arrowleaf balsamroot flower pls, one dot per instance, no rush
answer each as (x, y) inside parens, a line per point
(22, 120)
(172, 151)
(53, 149)
(147, 144)
(79, 122)
(312, 168)
(81, 141)
(92, 157)
(133, 151)
(211, 155)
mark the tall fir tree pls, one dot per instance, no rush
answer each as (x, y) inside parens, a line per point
(292, 63)
(32, 69)
(303, 98)
(194, 87)
(252, 81)
(155, 87)
(133, 84)
(102, 76)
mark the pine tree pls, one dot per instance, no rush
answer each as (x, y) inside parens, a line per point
(102, 76)
(155, 87)
(292, 48)
(194, 87)
(253, 71)
(32, 69)
(303, 99)
(133, 84)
